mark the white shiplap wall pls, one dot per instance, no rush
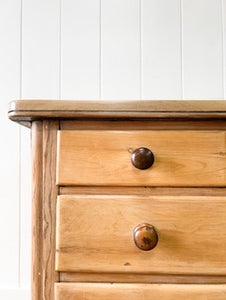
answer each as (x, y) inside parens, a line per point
(93, 49)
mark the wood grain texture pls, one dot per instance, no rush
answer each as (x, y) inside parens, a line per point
(37, 205)
(50, 192)
(95, 234)
(145, 237)
(182, 158)
(95, 229)
(88, 291)
(43, 209)
(27, 110)
(152, 124)
(139, 278)
(147, 190)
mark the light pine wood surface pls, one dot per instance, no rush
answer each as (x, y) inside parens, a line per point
(182, 158)
(140, 278)
(37, 203)
(90, 291)
(50, 192)
(44, 193)
(95, 234)
(129, 106)
(28, 110)
(147, 190)
(144, 124)
(181, 195)
(104, 198)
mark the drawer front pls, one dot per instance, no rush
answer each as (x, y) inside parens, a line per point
(92, 291)
(181, 158)
(95, 234)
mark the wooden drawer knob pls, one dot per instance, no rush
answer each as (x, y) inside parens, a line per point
(142, 158)
(145, 237)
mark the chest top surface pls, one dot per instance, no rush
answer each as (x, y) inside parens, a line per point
(25, 111)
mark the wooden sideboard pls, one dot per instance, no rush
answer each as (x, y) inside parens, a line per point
(128, 199)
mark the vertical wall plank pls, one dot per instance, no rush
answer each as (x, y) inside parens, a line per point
(224, 45)
(25, 209)
(161, 49)
(120, 49)
(9, 176)
(40, 80)
(14, 294)
(80, 49)
(202, 49)
(40, 60)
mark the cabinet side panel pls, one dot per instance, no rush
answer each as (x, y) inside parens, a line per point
(49, 208)
(37, 200)
(44, 192)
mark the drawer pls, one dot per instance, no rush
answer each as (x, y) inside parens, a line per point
(181, 158)
(92, 291)
(96, 234)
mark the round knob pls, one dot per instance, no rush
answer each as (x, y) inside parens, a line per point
(142, 158)
(145, 237)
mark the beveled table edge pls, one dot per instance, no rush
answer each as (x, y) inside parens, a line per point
(26, 111)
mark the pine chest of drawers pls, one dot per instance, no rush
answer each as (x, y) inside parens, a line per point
(129, 199)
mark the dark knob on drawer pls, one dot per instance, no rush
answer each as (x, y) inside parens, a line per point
(145, 237)
(142, 158)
